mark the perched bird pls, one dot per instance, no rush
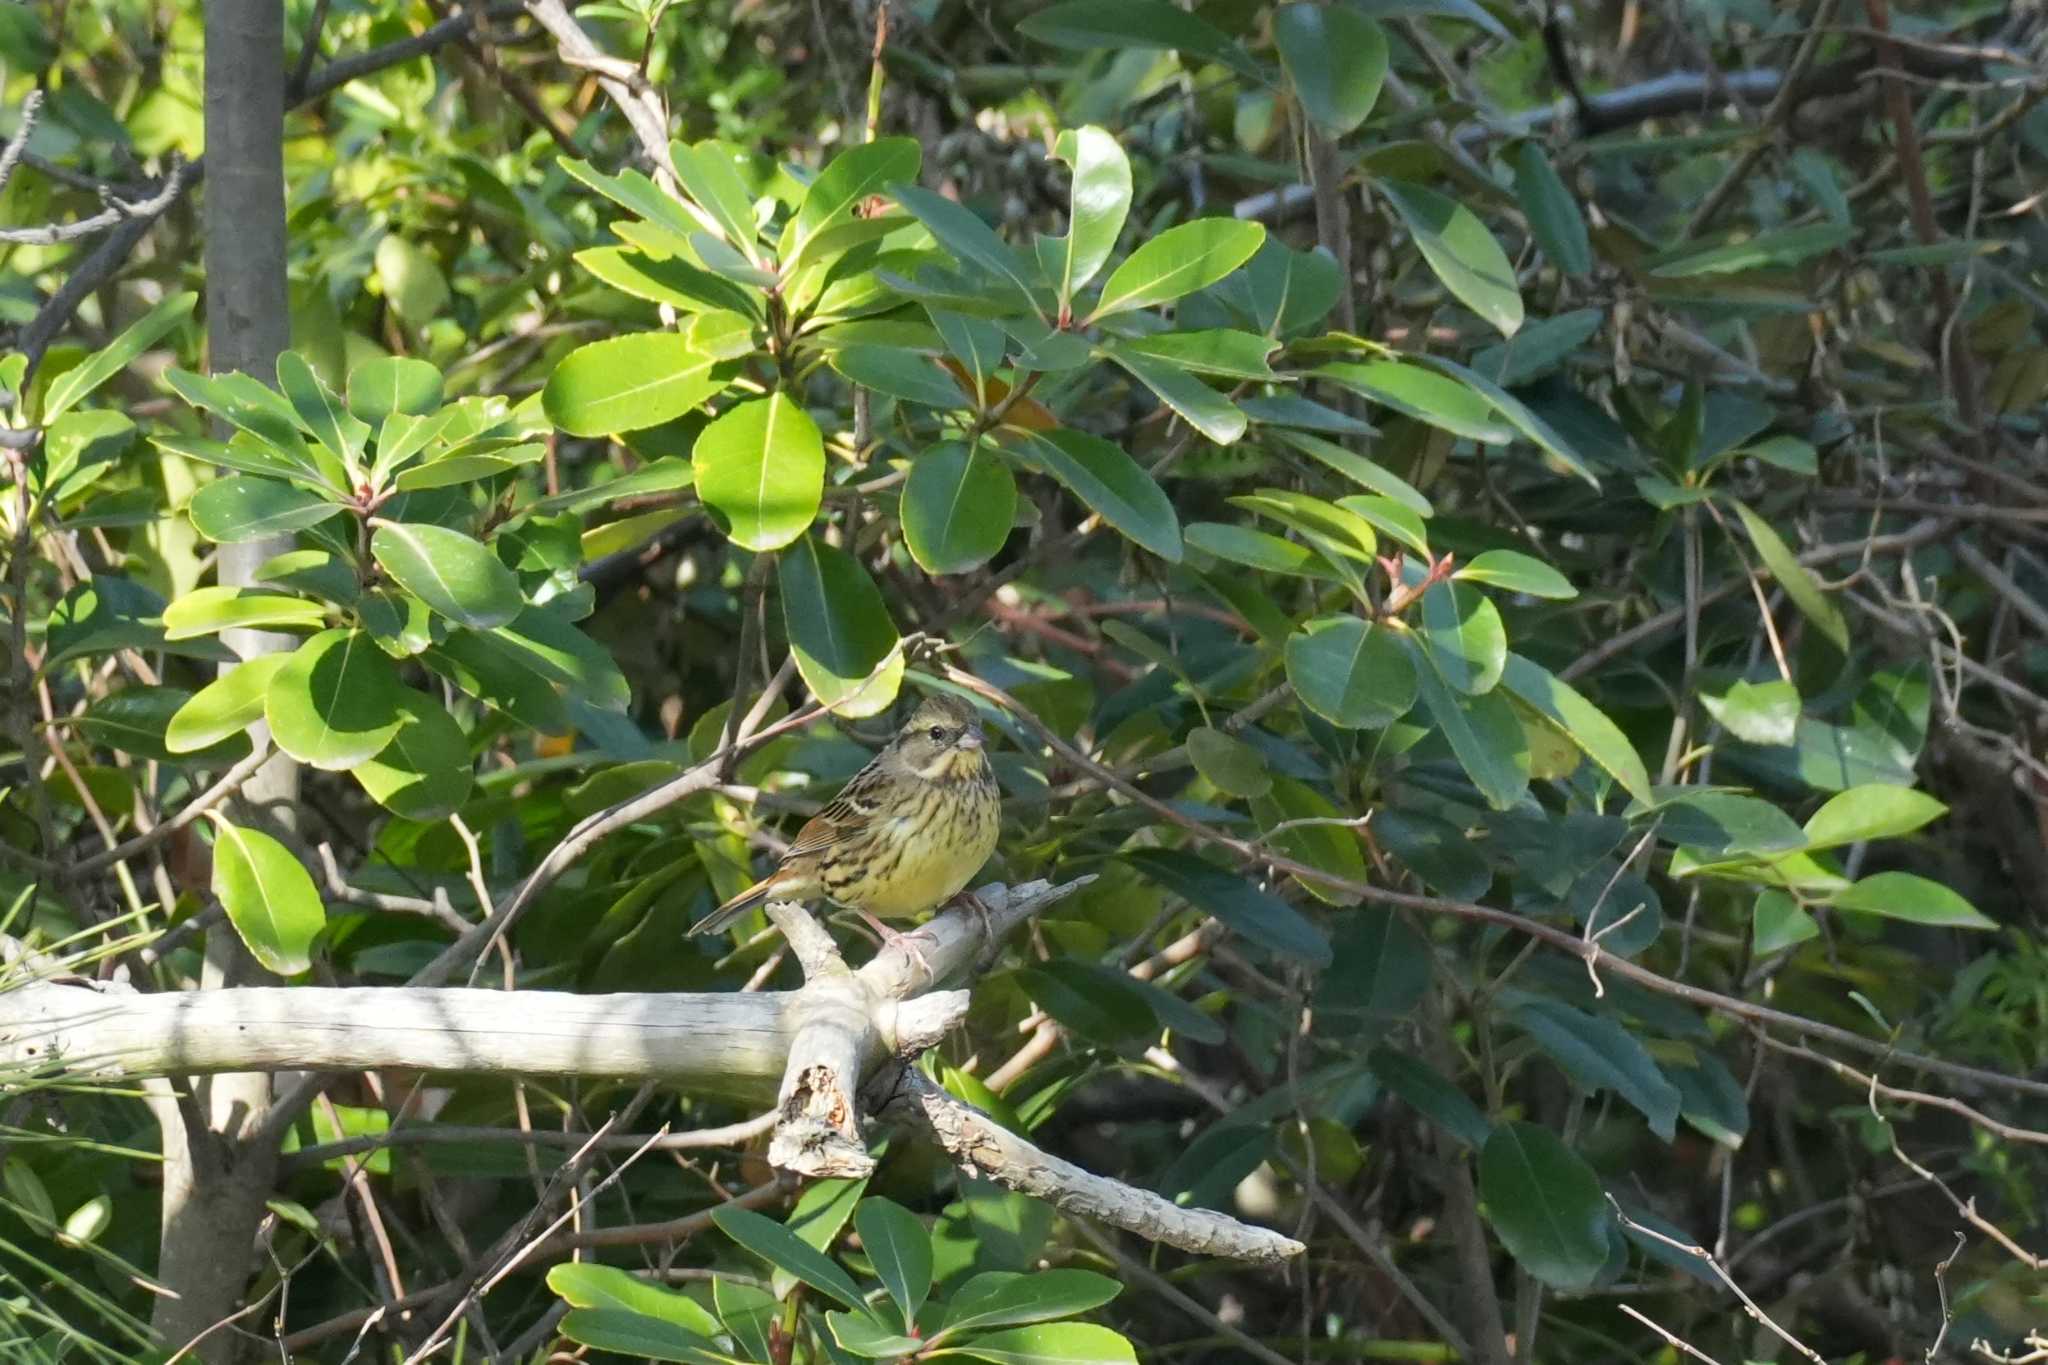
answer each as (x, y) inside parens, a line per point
(904, 835)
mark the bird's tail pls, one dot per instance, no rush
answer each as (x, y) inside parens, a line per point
(724, 915)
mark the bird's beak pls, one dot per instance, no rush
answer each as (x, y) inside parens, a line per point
(969, 739)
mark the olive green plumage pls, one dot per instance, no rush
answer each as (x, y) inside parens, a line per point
(905, 835)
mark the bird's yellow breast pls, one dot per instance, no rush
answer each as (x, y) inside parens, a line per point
(924, 858)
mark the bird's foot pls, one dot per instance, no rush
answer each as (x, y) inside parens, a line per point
(896, 937)
(982, 912)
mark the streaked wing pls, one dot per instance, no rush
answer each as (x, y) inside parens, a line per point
(856, 803)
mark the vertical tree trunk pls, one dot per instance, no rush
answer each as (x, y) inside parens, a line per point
(218, 1169)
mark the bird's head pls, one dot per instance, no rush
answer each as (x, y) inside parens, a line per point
(942, 741)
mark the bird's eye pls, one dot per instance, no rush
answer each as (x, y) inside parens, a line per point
(937, 732)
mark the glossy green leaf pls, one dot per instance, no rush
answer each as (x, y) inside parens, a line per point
(1047, 1343)
(400, 623)
(1435, 1098)
(208, 611)
(1382, 966)
(847, 181)
(263, 416)
(1003, 1299)
(1905, 896)
(243, 507)
(761, 465)
(1435, 850)
(1780, 923)
(136, 720)
(1100, 201)
(977, 343)
(1202, 407)
(321, 410)
(1433, 398)
(1520, 416)
(584, 1284)
(846, 646)
(224, 707)
(1231, 766)
(393, 384)
(1786, 247)
(1286, 291)
(1262, 918)
(1463, 634)
(900, 1250)
(901, 373)
(1087, 24)
(784, 1250)
(81, 379)
(1460, 251)
(269, 897)
(335, 702)
(631, 382)
(707, 174)
(1484, 733)
(1178, 261)
(1390, 517)
(1793, 577)
(1336, 60)
(1351, 672)
(1553, 213)
(1517, 572)
(424, 772)
(1110, 483)
(1761, 713)
(686, 287)
(957, 507)
(971, 241)
(863, 1336)
(1218, 351)
(1244, 545)
(1545, 1203)
(1877, 811)
(1358, 469)
(637, 1335)
(633, 190)
(1598, 737)
(1602, 1055)
(454, 574)
(1728, 823)
(1316, 833)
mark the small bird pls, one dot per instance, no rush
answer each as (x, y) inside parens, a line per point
(905, 834)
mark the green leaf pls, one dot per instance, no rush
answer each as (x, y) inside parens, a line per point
(540, 642)
(630, 382)
(1519, 416)
(1351, 672)
(413, 283)
(335, 702)
(707, 174)
(1244, 545)
(1178, 261)
(424, 772)
(1335, 58)
(1545, 1203)
(1599, 738)
(243, 508)
(1761, 713)
(1382, 966)
(1462, 633)
(96, 369)
(1792, 576)
(1430, 1095)
(957, 507)
(1100, 1011)
(1870, 812)
(1461, 252)
(1602, 1055)
(900, 1250)
(1204, 409)
(455, 575)
(208, 611)
(1344, 538)
(976, 343)
(636, 1334)
(1484, 733)
(1777, 249)
(393, 384)
(1111, 483)
(1517, 572)
(1155, 24)
(1432, 398)
(1728, 823)
(846, 646)
(861, 1335)
(224, 707)
(399, 622)
(136, 720)
(1434, 849)
(269, 898)
(971, 241)
(1391, 517)
(1780, 923)
(849, 179)
(901, 373)
(761, 465)
(583, 1284)
(1286, 291)
(1230, 765)
(677, 282)
(1553, 212)
(1263, 918)
(1904, 896)
(1217, 351)
(634, 191)
(1004, 1299)
(1788, 453)
(1100, 201)
(1316, 837)
(1047, 1343)
(1359, 470)
(784, 1250)
(321, 410)
(265, 418)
